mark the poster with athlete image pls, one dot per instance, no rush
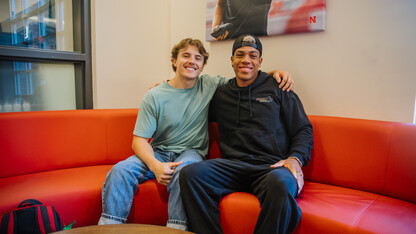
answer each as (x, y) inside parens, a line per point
(227, 19)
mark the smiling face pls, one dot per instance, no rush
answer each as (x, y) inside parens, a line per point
(189, 62)
(246, 62)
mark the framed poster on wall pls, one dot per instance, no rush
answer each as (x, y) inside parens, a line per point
(228, 19)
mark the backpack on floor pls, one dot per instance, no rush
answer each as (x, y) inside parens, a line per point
(31, 216)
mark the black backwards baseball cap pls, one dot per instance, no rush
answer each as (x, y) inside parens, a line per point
(247, 40)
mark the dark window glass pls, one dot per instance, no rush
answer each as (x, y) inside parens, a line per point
(33, 86)
(45, 56)
(46, 24)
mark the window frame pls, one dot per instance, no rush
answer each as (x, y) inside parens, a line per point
(81, 60)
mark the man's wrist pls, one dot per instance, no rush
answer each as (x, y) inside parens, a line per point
(293, 157)
(153, 165)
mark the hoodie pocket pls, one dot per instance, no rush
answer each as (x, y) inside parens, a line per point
(255, 143)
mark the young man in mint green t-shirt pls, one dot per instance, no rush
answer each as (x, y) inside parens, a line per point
(175, 115)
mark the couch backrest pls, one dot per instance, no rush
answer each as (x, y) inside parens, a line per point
(400, 176)
(374, 156)
(369, 155)
(41, 141)
(214, 140)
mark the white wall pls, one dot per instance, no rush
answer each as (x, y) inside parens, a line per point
(362, 66)
(131, 50)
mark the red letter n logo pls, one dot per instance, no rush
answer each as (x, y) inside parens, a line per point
(312, 19)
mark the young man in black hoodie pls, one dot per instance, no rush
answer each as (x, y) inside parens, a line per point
(265, 139)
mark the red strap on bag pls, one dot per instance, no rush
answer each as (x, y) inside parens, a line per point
(51, 218)
(40, 220)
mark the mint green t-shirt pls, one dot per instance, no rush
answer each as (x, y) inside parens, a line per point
(177, 119)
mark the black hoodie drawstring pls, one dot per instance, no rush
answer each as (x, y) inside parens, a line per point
(250, 117)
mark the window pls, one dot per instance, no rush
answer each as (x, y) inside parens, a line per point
(45, 55)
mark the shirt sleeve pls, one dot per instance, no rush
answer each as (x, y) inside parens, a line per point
(217, 80)
(222, 80)
(146, 121)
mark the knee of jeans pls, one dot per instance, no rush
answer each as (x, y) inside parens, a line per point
(189, 171)
(185, 164)
(281, 183)
(119, 170)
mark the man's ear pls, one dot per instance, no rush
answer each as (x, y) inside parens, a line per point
(260, 61)
(174, 63)
(232, 60)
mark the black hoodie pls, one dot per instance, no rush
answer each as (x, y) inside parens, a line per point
(261, 124)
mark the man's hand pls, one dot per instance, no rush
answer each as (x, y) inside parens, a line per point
(284, 79)
(155, 85)
(220, 32)
(222, 36)
(164, 171)
(294, 167)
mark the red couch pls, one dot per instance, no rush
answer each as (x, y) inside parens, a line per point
(361, 178)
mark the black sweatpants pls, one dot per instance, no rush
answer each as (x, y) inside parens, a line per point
(203, 184)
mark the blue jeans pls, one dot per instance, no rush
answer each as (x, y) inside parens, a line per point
(124, 178)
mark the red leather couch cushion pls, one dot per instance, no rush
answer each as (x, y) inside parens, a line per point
(75, 192)
(373, 156)
(150, 204)
(61, 158)
(333, 208)
(239, 212)
(388, 215)
(327, 209)
(42, 141)
(50, 157)
(38, 141)
(214, 140)
(400, 174)
(120, 125)
(348, 150)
